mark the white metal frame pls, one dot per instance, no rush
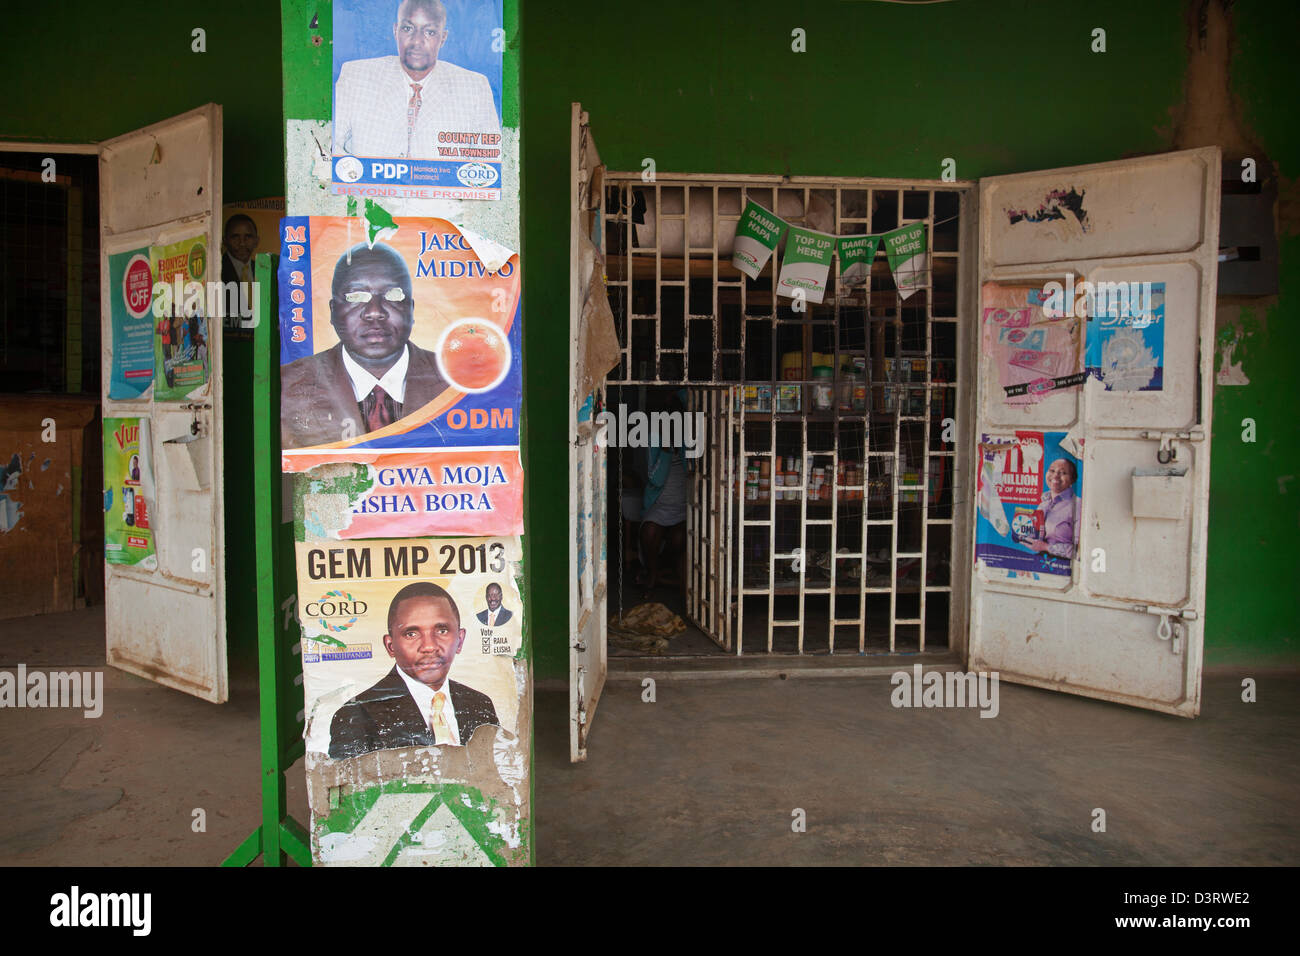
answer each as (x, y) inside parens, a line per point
(717, 505)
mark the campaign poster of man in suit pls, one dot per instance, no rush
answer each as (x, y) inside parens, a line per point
(396, 338)
(417, 96)
(494, 614)
(375, 375)
(416, 703)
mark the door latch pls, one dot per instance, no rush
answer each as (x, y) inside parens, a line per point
(1168, 450)
(1171, 626)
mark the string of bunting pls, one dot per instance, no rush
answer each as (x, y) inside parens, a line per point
(808, 254)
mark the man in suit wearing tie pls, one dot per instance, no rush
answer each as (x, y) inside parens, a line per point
(415, 704)
(240, 240)
(413, 104)
(494, 614)
(374, 375)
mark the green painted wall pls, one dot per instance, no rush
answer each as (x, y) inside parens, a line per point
(86, 71)
(1001, 86)
(890, 90)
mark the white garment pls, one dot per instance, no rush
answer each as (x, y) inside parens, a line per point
(393, 382)
(423, 696)
(370, 102)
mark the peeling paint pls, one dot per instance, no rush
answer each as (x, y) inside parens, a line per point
(1230, 372)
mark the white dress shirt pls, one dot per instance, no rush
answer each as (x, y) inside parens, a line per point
(393, 382)
(370, 103)
(492, 616)
(423, 696)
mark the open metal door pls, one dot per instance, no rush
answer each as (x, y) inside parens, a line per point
(160, 193)
(1117, 613)
(587, 444)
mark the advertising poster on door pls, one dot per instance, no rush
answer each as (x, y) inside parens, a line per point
(180, 319)
(130, 283)
(128, 493)
(1034, 352)
(408, 642)
(1029, 504)
(417, 98)
(1126, 337)
(403, 353)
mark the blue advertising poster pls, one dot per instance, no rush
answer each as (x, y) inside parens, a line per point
(1029, 504)
(130, 281)
(1126, 337)
(417, 98)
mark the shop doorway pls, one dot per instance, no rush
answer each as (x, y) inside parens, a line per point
(85, 228)
(820, 514)
(832, 509)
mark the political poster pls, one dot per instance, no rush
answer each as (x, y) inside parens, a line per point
(807, 264)
(248, 228)
(1029, 505)
(130, 302)
(1035, 350)
(1126, 336)
(180, 319)
(909, 257)
(856, 253)
(408, 642)
(401, 350)
(417, 99)
(757, 235)
(128, 493)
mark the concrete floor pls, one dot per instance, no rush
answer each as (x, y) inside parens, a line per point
(121, 789)
(708, 774)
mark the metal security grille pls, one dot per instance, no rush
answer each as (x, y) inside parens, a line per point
(822, 511)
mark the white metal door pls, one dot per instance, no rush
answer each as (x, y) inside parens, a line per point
(158, 186)
(1125, 621)
(587, 443)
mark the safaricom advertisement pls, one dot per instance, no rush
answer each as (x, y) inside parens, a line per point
(1029, 504)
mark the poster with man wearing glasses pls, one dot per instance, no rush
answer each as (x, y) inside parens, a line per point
(400, 348)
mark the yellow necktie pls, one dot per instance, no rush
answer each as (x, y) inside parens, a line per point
(438, 721)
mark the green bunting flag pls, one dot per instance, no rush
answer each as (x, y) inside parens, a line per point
(757, 234)
(909, 257)
(856, 256)
(807, 264)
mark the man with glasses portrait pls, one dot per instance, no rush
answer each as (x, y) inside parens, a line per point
(375, 375)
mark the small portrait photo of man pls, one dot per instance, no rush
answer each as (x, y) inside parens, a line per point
(239, 239)
(494, 614)
(402, 105)
(416, 704)
(375, 375)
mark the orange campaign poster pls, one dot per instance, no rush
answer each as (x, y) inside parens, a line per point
(401, 350)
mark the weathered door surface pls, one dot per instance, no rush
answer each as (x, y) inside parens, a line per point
(160, 191)
(587, 443)
(1118, 612)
